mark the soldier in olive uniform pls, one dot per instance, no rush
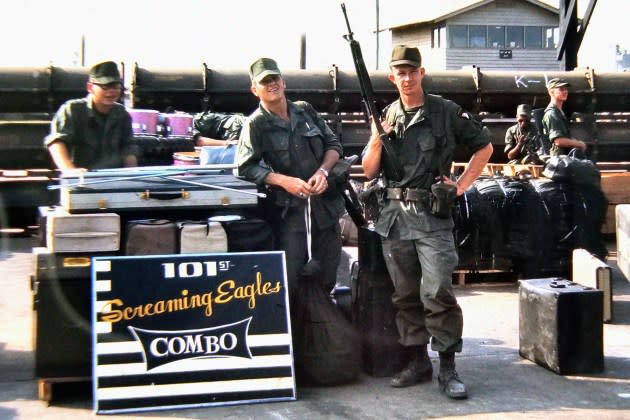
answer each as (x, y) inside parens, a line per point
(216, 129)
(418, 246)
(94, 132)
(288, 147)
(521, 139)
(555, 123)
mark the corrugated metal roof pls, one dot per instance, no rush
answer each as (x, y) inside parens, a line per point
(438, 11)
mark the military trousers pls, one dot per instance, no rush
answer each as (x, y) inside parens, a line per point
(325, 249)
(422, 271)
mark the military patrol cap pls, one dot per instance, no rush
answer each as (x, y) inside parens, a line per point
(262, 68)
(404, 55)
(556, 83)
(524, 109)
(105, 73)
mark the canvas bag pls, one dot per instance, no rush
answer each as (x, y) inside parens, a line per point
(327, 348)
(573, 169)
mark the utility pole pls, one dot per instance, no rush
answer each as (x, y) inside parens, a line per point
(378, 31)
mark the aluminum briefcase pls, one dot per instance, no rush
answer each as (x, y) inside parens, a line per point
(588, 270)
(560, 325)
(155, 192)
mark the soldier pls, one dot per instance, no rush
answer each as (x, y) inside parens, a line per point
(555, 123)
(216, 129)
(288, 147)
(94, 132)
(521, 139)
(417, 237)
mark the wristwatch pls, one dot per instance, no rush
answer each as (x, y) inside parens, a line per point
(324, 171)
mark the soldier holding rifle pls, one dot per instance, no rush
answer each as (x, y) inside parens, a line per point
(415, 221)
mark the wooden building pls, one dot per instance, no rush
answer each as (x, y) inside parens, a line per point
(489, 34)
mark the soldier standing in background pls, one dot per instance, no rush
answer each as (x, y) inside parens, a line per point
(555, 123)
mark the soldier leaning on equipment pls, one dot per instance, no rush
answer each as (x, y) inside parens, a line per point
(521, 139)
(555, 123)
(418, 245)
(216, 129)
(287, 146)
(94, 132)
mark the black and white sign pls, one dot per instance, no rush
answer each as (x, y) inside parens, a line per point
(505, 54)
(190, 330)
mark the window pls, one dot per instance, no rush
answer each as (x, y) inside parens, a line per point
(551, 37)
(514, 37)
(458, 36)
(477, 36)
(496, 36)
(438, 37)
(533, 37)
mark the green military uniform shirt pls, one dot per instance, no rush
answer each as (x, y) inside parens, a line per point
(424, 146)
(94, 140)
(217, 125)
(530, 148)
(294, 148)
(555, 124)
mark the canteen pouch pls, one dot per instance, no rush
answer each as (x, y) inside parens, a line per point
(442, 199)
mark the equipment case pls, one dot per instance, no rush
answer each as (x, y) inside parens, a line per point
(65, 232)
(560, 325)
(373, 311)
(62, 318)
(590, 271)
(155, 192)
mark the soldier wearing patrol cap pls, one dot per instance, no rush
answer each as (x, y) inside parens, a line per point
(288, 147)
(417, 237)
(521, 139)
(555, 123)
(94, 132)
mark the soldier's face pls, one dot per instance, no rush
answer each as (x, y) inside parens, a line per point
(105, 95)
(408, 79)
(269, 89)
(559, 93)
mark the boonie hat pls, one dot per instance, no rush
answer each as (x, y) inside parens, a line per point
(262, 68)
(404, 55)
(105, 73)
(524, 109)
(556, 83)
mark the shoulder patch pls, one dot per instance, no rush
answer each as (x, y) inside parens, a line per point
(465, 115)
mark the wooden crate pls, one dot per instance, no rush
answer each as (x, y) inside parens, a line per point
(616, 188)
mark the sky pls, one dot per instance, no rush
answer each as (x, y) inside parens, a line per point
(231, 34)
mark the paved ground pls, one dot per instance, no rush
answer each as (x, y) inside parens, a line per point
(501, 383)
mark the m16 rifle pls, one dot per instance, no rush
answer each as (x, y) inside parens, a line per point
(390, 164)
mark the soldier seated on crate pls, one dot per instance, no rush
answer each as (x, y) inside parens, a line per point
(94, 132)
(521, 139)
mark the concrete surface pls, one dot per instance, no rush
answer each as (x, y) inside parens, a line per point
(501, 384)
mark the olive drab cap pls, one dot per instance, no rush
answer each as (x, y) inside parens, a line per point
(556, 83)
(404, 55)
(524, 109)
(105, 73)
(262, 68)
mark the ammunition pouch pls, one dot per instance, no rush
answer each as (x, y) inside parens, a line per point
(371, 198)
(442, 199)
(408, 194)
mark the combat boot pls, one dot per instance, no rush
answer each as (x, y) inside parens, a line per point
(419, 369)
(448, 379)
